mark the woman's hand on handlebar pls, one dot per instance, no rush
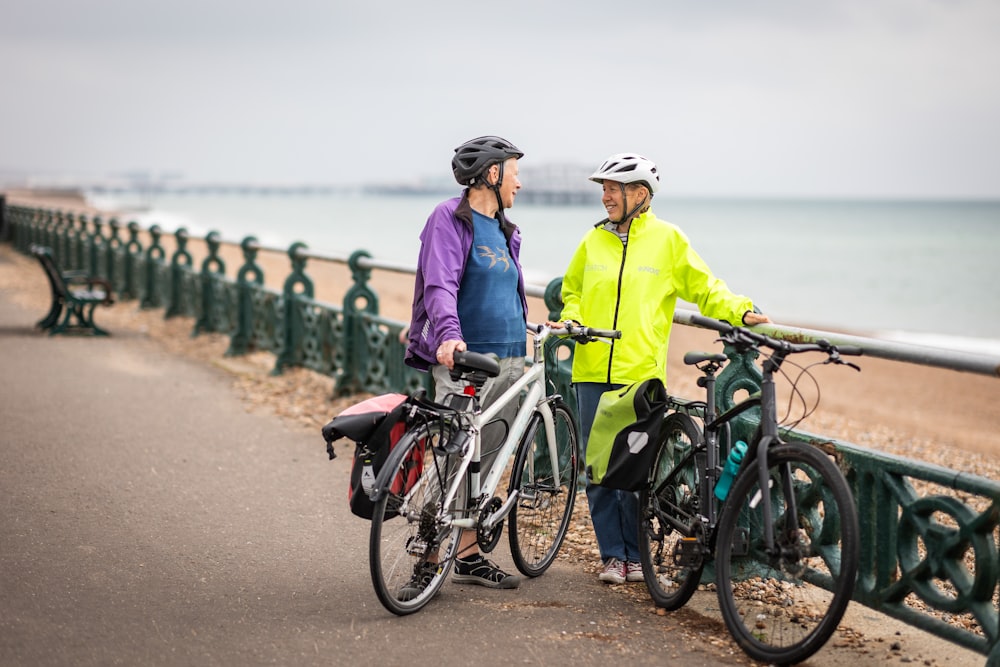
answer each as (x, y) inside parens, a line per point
(751, 318)
(582, 334)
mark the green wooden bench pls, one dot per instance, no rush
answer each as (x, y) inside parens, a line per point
(75, 295)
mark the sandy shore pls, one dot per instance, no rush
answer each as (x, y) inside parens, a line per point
(891, 406)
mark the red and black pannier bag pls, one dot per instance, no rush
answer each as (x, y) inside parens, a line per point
(375, 425)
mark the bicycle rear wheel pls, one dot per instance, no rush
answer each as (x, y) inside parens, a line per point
(412, 544)
(668, 513)
(782, 607)
(544, 475)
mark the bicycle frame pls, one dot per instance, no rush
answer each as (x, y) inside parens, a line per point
(715, 426)
(717, 432)
(533, 382)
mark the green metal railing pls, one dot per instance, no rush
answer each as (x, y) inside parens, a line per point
(930, 535)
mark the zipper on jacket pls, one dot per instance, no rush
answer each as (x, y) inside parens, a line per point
(618, 298)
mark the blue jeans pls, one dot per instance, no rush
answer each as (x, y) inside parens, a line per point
(613, 512)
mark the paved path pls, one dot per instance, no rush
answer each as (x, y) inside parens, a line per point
(146, 517)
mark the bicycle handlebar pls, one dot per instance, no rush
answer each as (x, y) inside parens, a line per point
(578, 331)
(590, 332)
(741, 336)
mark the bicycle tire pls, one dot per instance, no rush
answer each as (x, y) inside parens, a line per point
(669, 505)
(540, 517)
(783, 609)
(410, 530)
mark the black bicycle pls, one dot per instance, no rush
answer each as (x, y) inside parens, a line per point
(784, 540)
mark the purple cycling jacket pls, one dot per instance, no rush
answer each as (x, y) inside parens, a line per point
(445, 244)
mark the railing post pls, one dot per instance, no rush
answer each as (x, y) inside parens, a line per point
(70, 241)
(111, 257)
(151, 297)
(559, 371)
(133, 254)
(249, 275)
(297, 286)
(212, 267)
(359, 300)
(15, 227)
(29, 233)
(97, 249)
(21, 228)
(179, 261)
(82, 244)
(63, 237)
(740, 374)
(50, 228)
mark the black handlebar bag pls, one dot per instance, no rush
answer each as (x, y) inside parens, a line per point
(625, 435)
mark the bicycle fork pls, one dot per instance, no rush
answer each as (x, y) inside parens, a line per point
(769, 436)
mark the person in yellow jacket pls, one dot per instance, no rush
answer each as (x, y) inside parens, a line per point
(627, 274)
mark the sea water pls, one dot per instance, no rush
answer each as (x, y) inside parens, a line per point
(920, 271)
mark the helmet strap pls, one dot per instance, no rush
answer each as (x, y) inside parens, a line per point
(635, 209)
(496, 188)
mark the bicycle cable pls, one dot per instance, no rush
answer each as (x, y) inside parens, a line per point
(786, 422)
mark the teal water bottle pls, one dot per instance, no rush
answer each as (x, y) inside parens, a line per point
(736, 455)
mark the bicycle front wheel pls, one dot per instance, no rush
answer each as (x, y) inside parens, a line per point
(671, 542)
(544, 476)
(413, 544)
(782, 605)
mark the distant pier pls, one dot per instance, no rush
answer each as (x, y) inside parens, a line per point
(544, 185)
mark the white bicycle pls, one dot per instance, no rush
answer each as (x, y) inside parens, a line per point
(429, 491)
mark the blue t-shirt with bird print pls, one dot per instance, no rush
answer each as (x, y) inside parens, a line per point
(489, 306)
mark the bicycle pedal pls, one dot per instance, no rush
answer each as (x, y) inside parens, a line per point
(689, 552)
(416, 546)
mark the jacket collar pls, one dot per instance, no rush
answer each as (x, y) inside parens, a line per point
(637, 221)
(464, 213)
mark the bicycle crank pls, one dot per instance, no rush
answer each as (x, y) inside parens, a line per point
(487, 538)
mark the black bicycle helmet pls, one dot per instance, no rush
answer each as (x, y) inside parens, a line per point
(477, 155)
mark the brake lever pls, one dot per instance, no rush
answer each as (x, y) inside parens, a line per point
(836, 359)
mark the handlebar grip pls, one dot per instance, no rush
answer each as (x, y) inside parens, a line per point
(850, 350)
(709, 323)
(603, 333)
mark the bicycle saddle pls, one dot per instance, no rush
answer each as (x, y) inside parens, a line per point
(692, 358)
(474, 363)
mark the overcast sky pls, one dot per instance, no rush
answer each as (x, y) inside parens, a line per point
(729, 97)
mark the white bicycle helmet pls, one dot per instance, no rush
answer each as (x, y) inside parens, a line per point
(628, 168)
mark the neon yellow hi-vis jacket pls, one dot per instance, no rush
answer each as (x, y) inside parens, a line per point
(635, 289)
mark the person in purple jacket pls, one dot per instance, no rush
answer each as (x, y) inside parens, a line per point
(469, 295)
